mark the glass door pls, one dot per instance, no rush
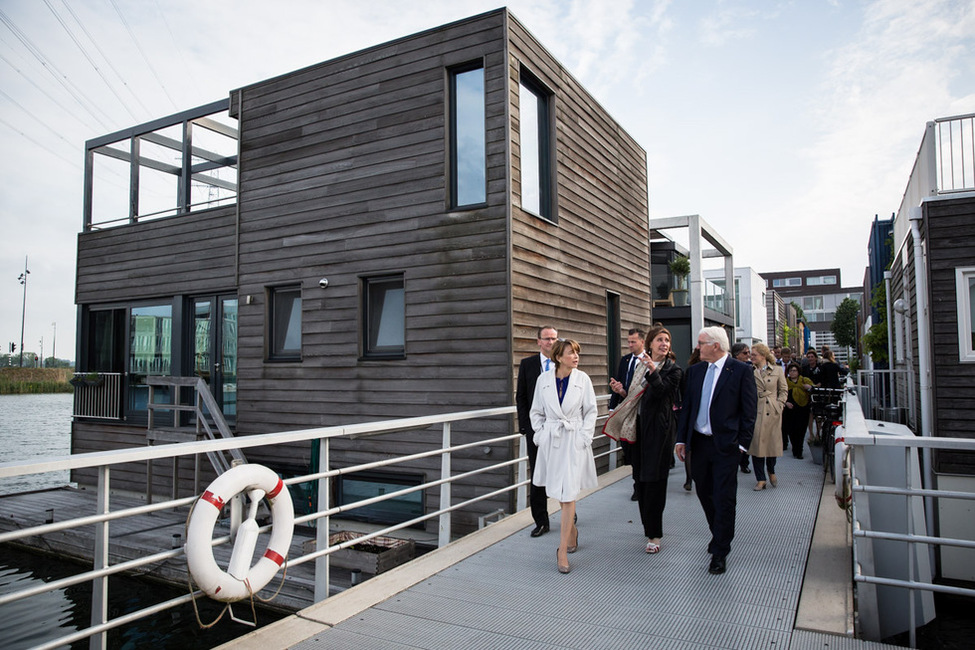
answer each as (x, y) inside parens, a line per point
(215, 349)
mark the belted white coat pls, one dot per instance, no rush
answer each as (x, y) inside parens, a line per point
(563, 435)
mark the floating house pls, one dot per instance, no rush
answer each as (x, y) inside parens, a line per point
(931, 319)
(373, 237)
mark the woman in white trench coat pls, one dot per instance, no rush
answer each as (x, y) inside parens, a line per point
(563, 416)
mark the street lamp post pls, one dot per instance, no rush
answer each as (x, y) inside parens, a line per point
(23, 311)
(54, 344)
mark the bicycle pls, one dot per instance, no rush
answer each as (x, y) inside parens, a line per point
(828, 412)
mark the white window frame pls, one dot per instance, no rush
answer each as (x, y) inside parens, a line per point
(966, 318)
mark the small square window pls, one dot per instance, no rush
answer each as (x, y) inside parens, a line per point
(284, 324)
(383, 317)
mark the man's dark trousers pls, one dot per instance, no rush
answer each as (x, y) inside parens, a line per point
(715, 476)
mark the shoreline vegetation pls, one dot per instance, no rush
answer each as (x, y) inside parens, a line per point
(25, 381)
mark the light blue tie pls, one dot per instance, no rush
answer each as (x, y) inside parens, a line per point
(702, 413)
(546, 365)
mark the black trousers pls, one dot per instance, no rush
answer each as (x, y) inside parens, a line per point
(651, 497)
(716, 479)
(537, 499)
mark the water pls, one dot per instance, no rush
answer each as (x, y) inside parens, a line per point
(33, 426)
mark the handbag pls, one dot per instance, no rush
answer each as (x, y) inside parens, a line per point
(621, 423)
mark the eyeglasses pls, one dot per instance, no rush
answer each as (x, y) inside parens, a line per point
(549, 338)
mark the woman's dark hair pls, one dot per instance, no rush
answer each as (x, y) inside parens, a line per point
(559, 349)
(793, 364)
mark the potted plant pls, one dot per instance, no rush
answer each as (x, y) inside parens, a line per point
(90, 379)
(680, 266)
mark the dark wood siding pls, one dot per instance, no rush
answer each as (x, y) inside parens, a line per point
(561, 272)
(181, 255)
(950, 233)
(344, 176)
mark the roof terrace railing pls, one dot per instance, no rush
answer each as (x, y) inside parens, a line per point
(173, 165)
(945, 162)
(436, 430)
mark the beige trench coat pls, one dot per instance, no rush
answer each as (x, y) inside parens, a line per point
(772, 394)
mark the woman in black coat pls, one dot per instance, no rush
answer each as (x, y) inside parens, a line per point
(656, 434)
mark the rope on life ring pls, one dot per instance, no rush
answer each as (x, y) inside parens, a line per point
(241, 580)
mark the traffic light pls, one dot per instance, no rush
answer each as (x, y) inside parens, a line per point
(13, 348)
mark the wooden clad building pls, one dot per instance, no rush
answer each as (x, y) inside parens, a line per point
(405, 217)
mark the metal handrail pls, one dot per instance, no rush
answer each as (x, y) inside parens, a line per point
(104, 460)
(857, 437)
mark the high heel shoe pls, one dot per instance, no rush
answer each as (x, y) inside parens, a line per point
(562, 568)
(773, 480)
(759, 486)
(575, 546)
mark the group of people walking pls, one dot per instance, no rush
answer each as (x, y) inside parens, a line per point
(720, 409)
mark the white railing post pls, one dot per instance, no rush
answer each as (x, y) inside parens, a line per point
(323, 526)
(521, 496)
(99, 586)
(445, 502)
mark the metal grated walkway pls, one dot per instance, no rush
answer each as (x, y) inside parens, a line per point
(511, 596)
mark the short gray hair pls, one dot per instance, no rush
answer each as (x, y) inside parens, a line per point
(716, 334)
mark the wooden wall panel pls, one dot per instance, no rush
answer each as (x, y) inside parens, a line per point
(949, 233)
(184, 254)
(561, 273)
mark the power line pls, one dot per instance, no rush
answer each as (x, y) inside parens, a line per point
(89, 59)
(53, 70)
(107, 59)
(138, 46)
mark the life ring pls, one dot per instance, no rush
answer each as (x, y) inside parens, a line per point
(841, 467)
(241, 580)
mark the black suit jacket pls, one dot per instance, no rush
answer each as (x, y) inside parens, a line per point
(620, 376)
(528, 372)
(734, 405)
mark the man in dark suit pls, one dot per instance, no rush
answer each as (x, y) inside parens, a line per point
(528, 372)
(620, 383)
(717, 421)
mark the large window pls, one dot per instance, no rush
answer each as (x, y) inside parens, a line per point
(965, 293)
(787, 282)
(820, 280)
(536, 143)
(150, 349)
(468, 178)
(360, 486)
(812, 303)
(284, 326)
(383, 317)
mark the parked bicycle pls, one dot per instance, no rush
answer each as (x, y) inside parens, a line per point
(827, 410)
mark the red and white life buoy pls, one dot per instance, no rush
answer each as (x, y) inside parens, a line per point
(841, 468)
(241, 579)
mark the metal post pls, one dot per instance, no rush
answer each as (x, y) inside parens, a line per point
(909, 505)
(99, 586)
(445, 499)
(521, 496)
(322, 528)
(23, 311)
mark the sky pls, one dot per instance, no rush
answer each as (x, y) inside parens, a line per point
(786, 125)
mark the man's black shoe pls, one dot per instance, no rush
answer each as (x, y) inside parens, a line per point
(717, 565)
(745, 470)
(538, 531)
(634, 496)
